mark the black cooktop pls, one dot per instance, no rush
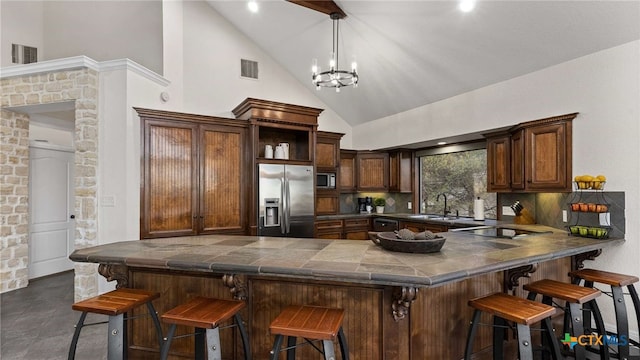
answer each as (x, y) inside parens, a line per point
(501, 232)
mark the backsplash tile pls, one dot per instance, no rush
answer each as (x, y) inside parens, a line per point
(547, 208)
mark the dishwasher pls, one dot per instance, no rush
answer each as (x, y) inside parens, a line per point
(380, 224)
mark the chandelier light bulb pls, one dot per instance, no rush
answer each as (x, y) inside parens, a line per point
(314, 66)
(466, 5)
(253, 6)
(354, 66)
(338, 89)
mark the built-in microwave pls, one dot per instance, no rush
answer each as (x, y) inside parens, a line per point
(326, 180)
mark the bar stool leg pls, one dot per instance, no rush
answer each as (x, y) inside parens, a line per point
(156, 322)
(551, 338)
(524, 342)
(622, 324)
(343, 344)
(636, 305)
(164, 350)
(276, 347)
(243, 334)
(213, 344)
(329, 352)
(499, 325)
(578, 329)
(472, 334)
(199, 347)
(115, 346)
(291, 347)
(76, 335)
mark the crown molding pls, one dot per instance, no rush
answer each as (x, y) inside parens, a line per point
(79, 62)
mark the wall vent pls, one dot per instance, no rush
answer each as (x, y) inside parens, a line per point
(22, 54)
(248, 69)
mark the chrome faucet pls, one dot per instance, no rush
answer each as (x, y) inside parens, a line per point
(445, 212)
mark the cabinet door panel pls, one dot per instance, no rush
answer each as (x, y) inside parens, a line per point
(221, 178)
(518, 160)
(499, 164)
(169, 194)
(327, 204)
(326, 155)
(348, 179)
(373, 172)
(547, 157)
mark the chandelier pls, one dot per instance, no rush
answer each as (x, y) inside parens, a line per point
(334, 77)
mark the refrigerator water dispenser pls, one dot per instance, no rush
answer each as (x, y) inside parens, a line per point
(272, 212)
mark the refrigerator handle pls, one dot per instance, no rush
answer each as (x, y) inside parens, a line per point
(288, 195)
(283, 216)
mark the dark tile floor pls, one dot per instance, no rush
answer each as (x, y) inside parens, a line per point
(37, 322)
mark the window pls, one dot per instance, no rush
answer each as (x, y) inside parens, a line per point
(459, 172)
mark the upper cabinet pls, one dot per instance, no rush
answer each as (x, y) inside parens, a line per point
(328, 161)
(348, 174)
(535, 156)
(401, 171)
(373, 171)
(191, 175)
(328, 151)
(272, 123)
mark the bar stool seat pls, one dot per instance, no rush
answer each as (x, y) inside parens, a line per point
(115, 304)
(617, 282)
(205, 315)
(577, 298)
(523, 312)
(312, 323)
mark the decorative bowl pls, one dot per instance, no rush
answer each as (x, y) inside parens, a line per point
(389, 241)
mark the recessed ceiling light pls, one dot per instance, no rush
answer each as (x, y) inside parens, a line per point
(442, 142)
(466, 5)
(253, 6)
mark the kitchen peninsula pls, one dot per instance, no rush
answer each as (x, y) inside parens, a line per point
(398, 305)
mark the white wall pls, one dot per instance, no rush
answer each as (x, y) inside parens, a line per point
(603, 87)
(211, 70)
(101, 30)
(22, 23)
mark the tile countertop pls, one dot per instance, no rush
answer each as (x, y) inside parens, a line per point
(350, 261)
(461, 221)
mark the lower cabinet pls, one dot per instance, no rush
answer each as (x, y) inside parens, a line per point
(329, 229)
(352, 229)
(356, 229)
(420, 227)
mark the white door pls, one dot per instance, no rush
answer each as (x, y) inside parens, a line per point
(51, 197)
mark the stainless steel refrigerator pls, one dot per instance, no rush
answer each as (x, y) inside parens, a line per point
(285, 200)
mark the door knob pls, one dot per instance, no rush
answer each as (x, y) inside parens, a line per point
(72, 216)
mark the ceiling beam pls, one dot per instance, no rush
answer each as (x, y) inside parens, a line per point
(324, 6)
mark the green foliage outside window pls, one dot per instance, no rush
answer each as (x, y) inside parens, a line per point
(462, 176)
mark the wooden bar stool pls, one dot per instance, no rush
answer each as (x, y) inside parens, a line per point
(312, 323)
(523, 312)
(205, 315)
(577, 298)
(115, 304)
(617, 282)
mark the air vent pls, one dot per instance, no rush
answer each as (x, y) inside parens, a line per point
(248, 69)
(22, 54)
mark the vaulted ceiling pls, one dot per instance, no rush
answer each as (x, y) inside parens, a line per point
(413, 53)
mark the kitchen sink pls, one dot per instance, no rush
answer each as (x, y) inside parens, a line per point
(432, 217)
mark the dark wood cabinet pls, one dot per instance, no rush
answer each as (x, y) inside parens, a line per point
(548, 164)
(401, 171)
(192, 171)
(327, 160)
(499, 163)
(328, 151)
(328, 229)
(356, 228)
(535, 156)
(348, 174)
(373, 171)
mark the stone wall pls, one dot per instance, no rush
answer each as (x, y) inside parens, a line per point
(14, 200)
(81, 86)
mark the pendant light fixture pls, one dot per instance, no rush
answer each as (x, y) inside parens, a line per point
(334, 77)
